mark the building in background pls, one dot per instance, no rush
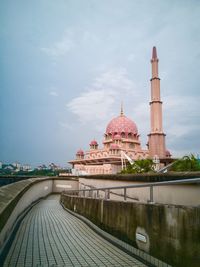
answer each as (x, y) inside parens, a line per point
(17, 165)
(122, 138)
(26, 167)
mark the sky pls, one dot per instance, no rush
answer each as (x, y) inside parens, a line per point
(66, 66)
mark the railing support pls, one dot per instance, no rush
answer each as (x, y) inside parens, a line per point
(151, 194)
(107, 190)
(107, 194)
(124, 193)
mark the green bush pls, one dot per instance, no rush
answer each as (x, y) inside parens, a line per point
(139, 166)
(187, 163)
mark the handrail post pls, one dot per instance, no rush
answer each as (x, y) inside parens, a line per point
(124, 193)
(90, 193)
(107, 194)
(84, 187)
(151, 194)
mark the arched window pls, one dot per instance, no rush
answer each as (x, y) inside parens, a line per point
(123, 135)
(131, 145)
(130, 135)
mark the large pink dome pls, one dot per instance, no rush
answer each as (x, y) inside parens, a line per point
(121, 124)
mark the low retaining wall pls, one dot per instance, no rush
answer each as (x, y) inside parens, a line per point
(145, 177)
(185, 194)
(167, 232)
(16, 197)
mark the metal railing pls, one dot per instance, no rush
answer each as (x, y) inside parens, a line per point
(107, 190)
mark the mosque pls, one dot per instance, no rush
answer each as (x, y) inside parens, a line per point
(122, 138)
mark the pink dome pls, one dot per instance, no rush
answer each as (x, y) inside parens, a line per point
(114, 146)
(93, 143)
(121, 124)
(167, 153)
(80, 152)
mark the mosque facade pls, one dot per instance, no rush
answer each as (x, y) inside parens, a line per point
(122, 138)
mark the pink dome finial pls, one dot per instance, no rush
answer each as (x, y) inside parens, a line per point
(154, 53)
(122, 109)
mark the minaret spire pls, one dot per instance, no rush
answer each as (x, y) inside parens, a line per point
(154, 62)
(156, 136)
(154, 53)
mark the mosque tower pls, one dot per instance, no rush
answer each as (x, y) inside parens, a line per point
(156, 136)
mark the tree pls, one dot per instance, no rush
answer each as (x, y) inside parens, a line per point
(186, 163)
(139, 166)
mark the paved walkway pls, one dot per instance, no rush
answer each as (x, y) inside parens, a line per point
(50, 236)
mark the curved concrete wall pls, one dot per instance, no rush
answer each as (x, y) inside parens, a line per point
(188, 194)
(170, 233)
(16, 198)
(63, 184)
(36, 191)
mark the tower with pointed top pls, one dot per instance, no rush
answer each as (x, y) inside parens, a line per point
(156, 136)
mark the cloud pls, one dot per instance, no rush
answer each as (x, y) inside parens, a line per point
(53, 93)
(188, 143)
(65, 125)
(131, 57)
(97, 103)
(141, 113)
(61, 47)
(181, 127)
(182, 110)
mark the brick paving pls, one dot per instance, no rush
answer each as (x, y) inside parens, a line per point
(50, 236)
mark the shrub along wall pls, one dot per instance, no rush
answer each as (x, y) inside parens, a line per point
(146, 177)
(172, 232)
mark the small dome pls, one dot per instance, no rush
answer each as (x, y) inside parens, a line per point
(93, 143)
(114, 146)
(80, 152)
(121, 124)
(117, 137)
(167, 153)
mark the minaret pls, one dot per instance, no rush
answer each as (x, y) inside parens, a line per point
(156, 136)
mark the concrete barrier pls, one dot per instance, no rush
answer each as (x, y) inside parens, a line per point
(170, 233)
(17, 197)
(182, 194)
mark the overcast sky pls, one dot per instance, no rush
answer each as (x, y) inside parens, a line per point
(66, 65)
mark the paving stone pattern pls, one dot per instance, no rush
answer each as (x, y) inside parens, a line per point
(50, 236)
